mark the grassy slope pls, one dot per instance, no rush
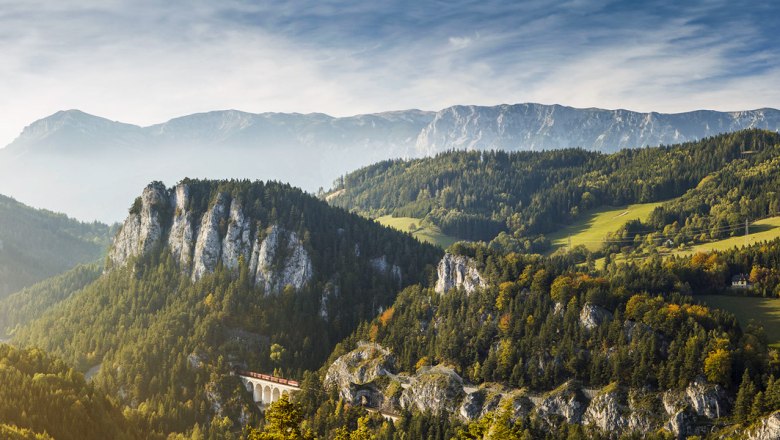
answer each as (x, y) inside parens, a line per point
(595, 225)
(762, 230)
(763, 310)
(430, 234)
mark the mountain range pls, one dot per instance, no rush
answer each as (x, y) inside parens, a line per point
(55, 159)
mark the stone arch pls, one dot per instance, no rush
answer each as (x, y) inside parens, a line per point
(267, 395)
(249, 386)
(276, 394)
(257, 396)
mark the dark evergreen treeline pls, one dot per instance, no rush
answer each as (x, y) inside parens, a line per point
(475, 195)
(41, 398)
(36, 244)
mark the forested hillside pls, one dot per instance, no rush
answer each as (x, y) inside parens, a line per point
(36, 244)
(164, 333)
(551, 351)
(477, 195)
(30, 303)
(41, 398)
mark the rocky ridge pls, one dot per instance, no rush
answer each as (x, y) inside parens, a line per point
(458, 271)
(366, 376)
(224, 234)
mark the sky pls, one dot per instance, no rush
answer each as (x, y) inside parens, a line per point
(144, 62)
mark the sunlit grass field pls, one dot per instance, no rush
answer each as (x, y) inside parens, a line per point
(765, 311)
(762, 230)
(595, 225)
(427, 233)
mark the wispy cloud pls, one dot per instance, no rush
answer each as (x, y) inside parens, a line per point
(147, 61)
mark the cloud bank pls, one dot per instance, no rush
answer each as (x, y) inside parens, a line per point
(144, 62)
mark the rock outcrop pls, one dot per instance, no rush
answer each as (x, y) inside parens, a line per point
(707, 399)
(237, 242)
(703, 398)
(280, 249)
(437, 389)
(593, 316)
(223, 234)
(682, 424)
(767, 428)
(358, 370)
(208, 246)
(143, 227)
(566, 402)
(182, 235)
(381, 265)
(458, 271)
(608, 412)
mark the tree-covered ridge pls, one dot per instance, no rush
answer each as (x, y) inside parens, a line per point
(42, 398)
(475, 195)
(720, 204)
(165, 345)
(30, 303)
(36, 244)
(526, 331)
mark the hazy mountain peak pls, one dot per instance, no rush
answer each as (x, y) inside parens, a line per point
(70, 129)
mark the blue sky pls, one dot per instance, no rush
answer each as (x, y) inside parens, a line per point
(147, 61)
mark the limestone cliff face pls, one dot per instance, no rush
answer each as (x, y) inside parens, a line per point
(142, 229)
(222, 234)
(458, 271)
(437, 389)
(366, 376)
(767, 428)
(237, 243)
(181, 237)
(284, 246)
(354, 373)
(208, 246)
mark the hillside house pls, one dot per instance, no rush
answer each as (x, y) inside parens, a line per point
(740, 281)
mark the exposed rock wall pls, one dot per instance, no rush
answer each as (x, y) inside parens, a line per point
(182, 235)
(284, 246)
(223, 234)
(362, 377)
(768, 428)
(208, 246)
(458, 271)
(142, 229)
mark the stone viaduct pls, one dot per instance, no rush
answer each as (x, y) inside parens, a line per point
(266, 389)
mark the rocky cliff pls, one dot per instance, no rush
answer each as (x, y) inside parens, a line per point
(200, 241)
(366, 376)
(458, 271)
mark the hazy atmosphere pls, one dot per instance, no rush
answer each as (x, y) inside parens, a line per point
(148, 61)
(398, 220)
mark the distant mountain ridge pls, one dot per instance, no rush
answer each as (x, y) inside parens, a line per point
(544, 127)
(56, 158)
